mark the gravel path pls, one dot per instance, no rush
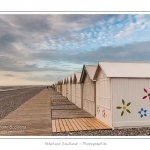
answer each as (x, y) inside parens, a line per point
(11, 100)
(145, 131)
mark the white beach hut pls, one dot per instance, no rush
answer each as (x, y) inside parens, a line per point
(63, 87)
(77, 90)
(58, 86)
(88, 88)
(123, 94)
(73, 89)
(67, 87)
(70, 88)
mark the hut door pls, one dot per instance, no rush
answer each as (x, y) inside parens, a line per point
(103, 105)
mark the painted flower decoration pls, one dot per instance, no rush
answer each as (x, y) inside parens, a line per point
(98, 109)
(142, 113)
(124, 107)
(104, 113)
(148, 94)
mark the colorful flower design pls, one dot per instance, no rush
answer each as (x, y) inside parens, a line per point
(124, 107)
(142, 113)
(148, 94)
(104, 113)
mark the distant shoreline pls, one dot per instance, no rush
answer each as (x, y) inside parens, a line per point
(8, 88)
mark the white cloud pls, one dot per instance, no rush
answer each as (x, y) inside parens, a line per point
(89, 34)
(27, 40)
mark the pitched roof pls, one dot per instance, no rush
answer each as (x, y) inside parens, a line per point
(63, 81)
(89, 70)
(71, 78)
(123, 69)
(77, 75)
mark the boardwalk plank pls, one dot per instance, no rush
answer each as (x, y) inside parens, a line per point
(35, 114)
(61, 126)
(84, 124)
(75, 113)
(69, 125)
(80, 124)
(87, 123)
(77, 125)
(57, 126)
(94, 125)
(65, 125)
(97, 123)
(73, 125)
(53, 126)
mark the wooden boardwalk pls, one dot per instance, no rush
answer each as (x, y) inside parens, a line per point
(79, 124)
(66, 116)
(32, 118)
(70, 113)
(61, 107)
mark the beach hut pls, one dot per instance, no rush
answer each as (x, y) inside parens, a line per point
(70, 88)
(73, 89)
(56, 86)
(88, 88)
(123, 94)
(63, 87)
(59, 86)
(77, 90)
(67, 87)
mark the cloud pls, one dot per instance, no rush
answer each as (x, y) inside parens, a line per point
(9, 75)
(58, 45)
(8, 64)
(138, 51)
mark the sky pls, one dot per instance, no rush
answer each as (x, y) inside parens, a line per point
(40, 49)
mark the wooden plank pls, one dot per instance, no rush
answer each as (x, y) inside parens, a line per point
(99, 124)
(84, 124)
(65, 125)
(35, 114)
(83, 128)
(77, 125)
(75, 113)
(64, 107)
(103, 124)
(53, 126)
(88, 124)
(69, 125)
(94, 125)
(73, 125)
(62, 129)
(57, 126)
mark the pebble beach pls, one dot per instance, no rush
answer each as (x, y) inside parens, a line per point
(145, 131)
(12, 99)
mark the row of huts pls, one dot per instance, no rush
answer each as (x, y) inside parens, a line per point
(116, 93)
